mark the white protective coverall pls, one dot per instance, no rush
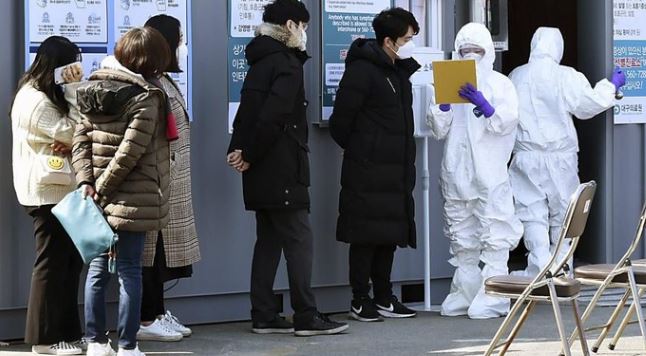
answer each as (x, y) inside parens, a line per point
(544, 170)
(478, 207)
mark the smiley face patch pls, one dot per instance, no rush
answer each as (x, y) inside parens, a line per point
(56, 163)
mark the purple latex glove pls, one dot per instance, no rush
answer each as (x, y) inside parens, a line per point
(445, 107)
(618, 78)
(475, 97)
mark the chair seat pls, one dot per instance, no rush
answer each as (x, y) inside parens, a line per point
(599, 272)
(565, 287)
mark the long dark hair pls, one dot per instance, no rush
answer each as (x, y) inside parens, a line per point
(169, 27)
(54, 52)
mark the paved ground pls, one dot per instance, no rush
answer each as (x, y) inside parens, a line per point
(428, 334)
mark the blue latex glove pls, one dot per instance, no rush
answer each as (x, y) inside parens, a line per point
(475, 97)
(618, 78)
(445, 107)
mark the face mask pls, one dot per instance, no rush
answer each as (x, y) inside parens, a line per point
(475, 56)
(181, 53)
(405, 51)
(303, 45)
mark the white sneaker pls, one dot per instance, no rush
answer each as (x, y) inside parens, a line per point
(62, 348)
(174, 324)
(81, 344)
(133, 352)
(96, 349)
(158, 331)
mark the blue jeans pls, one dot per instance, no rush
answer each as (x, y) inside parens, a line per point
(129, 250)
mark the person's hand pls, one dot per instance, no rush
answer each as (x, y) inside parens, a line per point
(89, 191)
(234, 158)
(245, 166)
(60, 148)
(72, 73)
(475, 97)
(445, 107)
(618, 78)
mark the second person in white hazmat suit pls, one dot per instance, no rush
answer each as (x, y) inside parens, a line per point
(478, 207)
(544, 170)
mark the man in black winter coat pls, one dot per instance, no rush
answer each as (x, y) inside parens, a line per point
(373, 122)
(269, 147)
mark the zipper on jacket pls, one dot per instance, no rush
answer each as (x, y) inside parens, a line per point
(391, 85)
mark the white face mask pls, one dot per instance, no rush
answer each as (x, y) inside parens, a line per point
(406, 51)
(474, 56)
(303, 45)
(181, 53)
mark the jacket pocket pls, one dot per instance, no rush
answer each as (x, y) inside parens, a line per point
(303, 176)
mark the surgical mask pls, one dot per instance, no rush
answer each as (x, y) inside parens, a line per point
(181, 53)
(303, 45)
(475, 56)
(405, 51)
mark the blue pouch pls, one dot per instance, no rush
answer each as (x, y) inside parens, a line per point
(83, 220)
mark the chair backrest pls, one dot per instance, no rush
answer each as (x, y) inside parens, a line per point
(637, 239)
(580, 204)
(576, 218)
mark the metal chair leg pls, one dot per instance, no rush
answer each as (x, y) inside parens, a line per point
(519, 323)
(579, 326)
(559, 318)
(622, 327)
(505, 325)
(587, 312)
(611, 321)
(637, 303)
(624, 323)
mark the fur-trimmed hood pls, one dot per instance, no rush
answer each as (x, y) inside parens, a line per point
(271, 39)
(279, 33)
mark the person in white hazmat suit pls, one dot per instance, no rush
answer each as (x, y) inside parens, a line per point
(478, 207)
(544, 169)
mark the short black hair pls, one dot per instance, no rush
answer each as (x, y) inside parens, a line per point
(393, 23)
(281, 11)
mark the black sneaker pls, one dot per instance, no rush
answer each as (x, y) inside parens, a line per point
(319, 324)
(394, 309)
(364, 309)
(277, 326)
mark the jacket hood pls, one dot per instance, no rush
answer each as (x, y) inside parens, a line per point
(110, 88)
(271, 39)
(477, 34)
(547, 43)
(369, 49)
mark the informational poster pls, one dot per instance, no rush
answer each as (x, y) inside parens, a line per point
(244, 18)
(343, 21)
(96, 26)
(135, 13)
(82, 21)
(630, 54)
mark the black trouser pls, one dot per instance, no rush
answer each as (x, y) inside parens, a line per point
(371, 262)
(288, 232)
(53, 313)
(152, 297)
(153, 279)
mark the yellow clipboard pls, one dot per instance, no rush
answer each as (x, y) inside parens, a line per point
(450, 76)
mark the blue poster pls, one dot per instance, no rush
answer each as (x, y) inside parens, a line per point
(244, 17)
(343, 21)
(630, 54)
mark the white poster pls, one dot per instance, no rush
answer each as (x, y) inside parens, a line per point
(135, 13)
(82, 21)
(357, 6)
(246, 15)
(630, 54)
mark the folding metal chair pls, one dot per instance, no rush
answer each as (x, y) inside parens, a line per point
(551, 284)
(626, 274)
